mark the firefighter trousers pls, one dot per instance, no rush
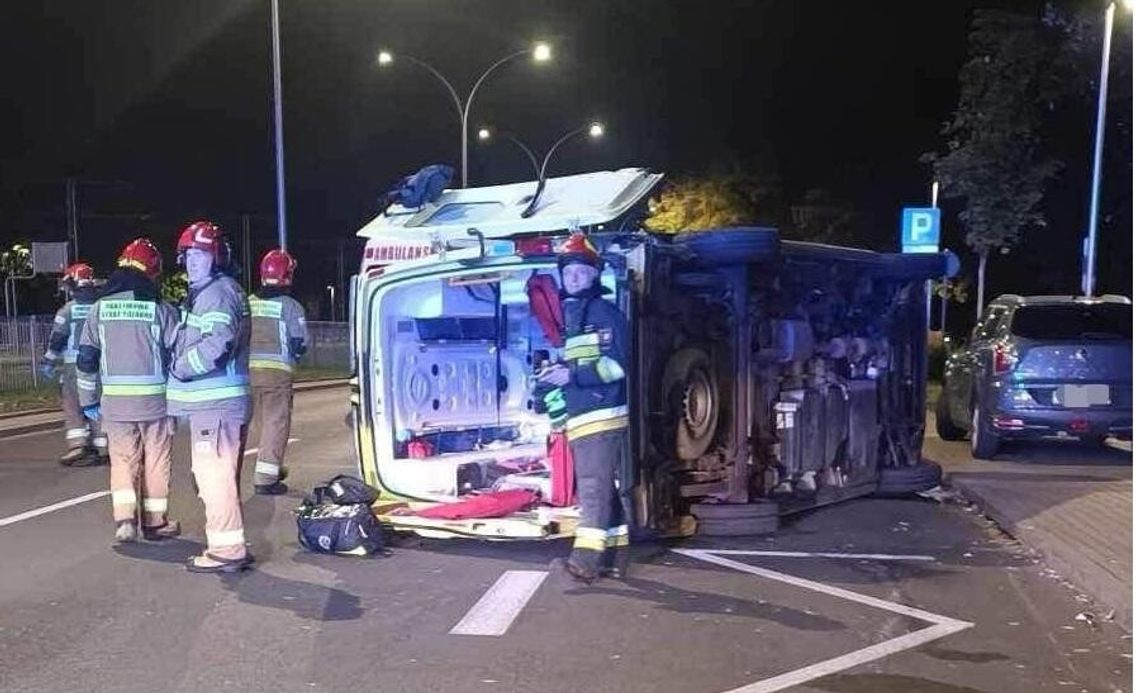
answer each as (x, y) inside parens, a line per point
(216, 448)
(273, 408)
(601, 470)
(77, 430)
(140, 460)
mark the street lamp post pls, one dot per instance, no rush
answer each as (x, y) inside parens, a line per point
(485, 135)
(278, 135)
(1088, 278)
(594, 130)
(540, 52)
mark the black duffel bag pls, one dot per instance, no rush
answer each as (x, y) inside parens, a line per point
(337, 518)
(341, 529)
(343, 490)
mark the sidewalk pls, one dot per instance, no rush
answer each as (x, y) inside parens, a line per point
(1072, 505)
(40, 420)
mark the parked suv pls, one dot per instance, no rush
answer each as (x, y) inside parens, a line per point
(1041, 366)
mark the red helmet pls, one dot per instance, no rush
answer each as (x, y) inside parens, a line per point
(204, 235)
(277, 268)
(79, 274)
(142, 255)
(578, 248)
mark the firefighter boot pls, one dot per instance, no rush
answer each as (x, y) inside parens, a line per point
(583, 565)
(90, 457)
(126, 531)
(615, 563)
(73, 455)
(167, 530)
(273, 488)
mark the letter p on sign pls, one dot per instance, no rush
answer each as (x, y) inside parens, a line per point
(920, 229)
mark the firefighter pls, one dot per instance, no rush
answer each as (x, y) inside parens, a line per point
(592, 377)
(279, 339)
(209, 385)
(86, 444)
(121, 366)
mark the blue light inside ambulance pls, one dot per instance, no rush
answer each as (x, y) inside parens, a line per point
(500, 248)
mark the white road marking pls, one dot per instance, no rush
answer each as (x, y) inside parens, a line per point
(803, 554)
(940, 627)
(254, 451)
(497, 609)
(13, 519)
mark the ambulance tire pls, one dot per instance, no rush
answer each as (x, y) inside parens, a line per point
(736, 519)
(731, 246)
(690, 392)
(732, 511)
(903, 481)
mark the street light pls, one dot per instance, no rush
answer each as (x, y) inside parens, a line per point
(539, 52)
(595, 130)
(486, 135)
(1088, 278)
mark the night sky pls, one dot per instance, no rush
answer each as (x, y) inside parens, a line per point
(164, 107)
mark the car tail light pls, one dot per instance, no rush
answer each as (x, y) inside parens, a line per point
(1004, 359)
(534, 246)
(1080, 426)
(1009, 423)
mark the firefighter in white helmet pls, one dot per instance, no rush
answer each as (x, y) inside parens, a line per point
(121, 364)
(86, 445)
(279, 339)
(209, 385)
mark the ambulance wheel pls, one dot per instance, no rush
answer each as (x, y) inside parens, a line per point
(689, 386)
(902, 481)
(736, 519)
(731, 246)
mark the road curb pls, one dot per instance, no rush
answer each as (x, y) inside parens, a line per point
(41, 426)
(1089, 581)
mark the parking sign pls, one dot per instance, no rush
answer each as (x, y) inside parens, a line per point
(921, 227)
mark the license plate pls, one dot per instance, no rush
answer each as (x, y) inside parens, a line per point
(1084, 396)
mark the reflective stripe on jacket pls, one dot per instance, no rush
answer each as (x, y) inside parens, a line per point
(597, 352)
(122, 357)
(210, 365)
(277, 324)
(65, 331)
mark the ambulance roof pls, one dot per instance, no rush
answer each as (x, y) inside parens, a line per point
(578, 201)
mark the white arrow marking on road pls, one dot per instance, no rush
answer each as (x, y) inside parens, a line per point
(940, 627)
(494, 613)
(254, 451)
(13, 519)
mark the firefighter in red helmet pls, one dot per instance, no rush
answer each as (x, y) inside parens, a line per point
(279, 338)
(121, 364)
(592, 377)
(209, 385)
(86, 445)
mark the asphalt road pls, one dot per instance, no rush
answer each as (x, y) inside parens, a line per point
(939, 602)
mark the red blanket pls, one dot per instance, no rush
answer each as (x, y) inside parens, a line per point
(484, 505)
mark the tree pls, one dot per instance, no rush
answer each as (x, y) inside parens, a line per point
(16, 261)
(714, 200)
(174, 287)
(994, 163)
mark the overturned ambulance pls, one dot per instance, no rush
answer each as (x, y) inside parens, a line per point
(767, 376)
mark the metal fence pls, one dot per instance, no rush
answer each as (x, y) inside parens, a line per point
(23, 341)
(328, 347)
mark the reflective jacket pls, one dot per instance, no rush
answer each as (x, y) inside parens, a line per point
(210, 362)
(597, 353)
(278, 336)
(68, 324)
(121, 358)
